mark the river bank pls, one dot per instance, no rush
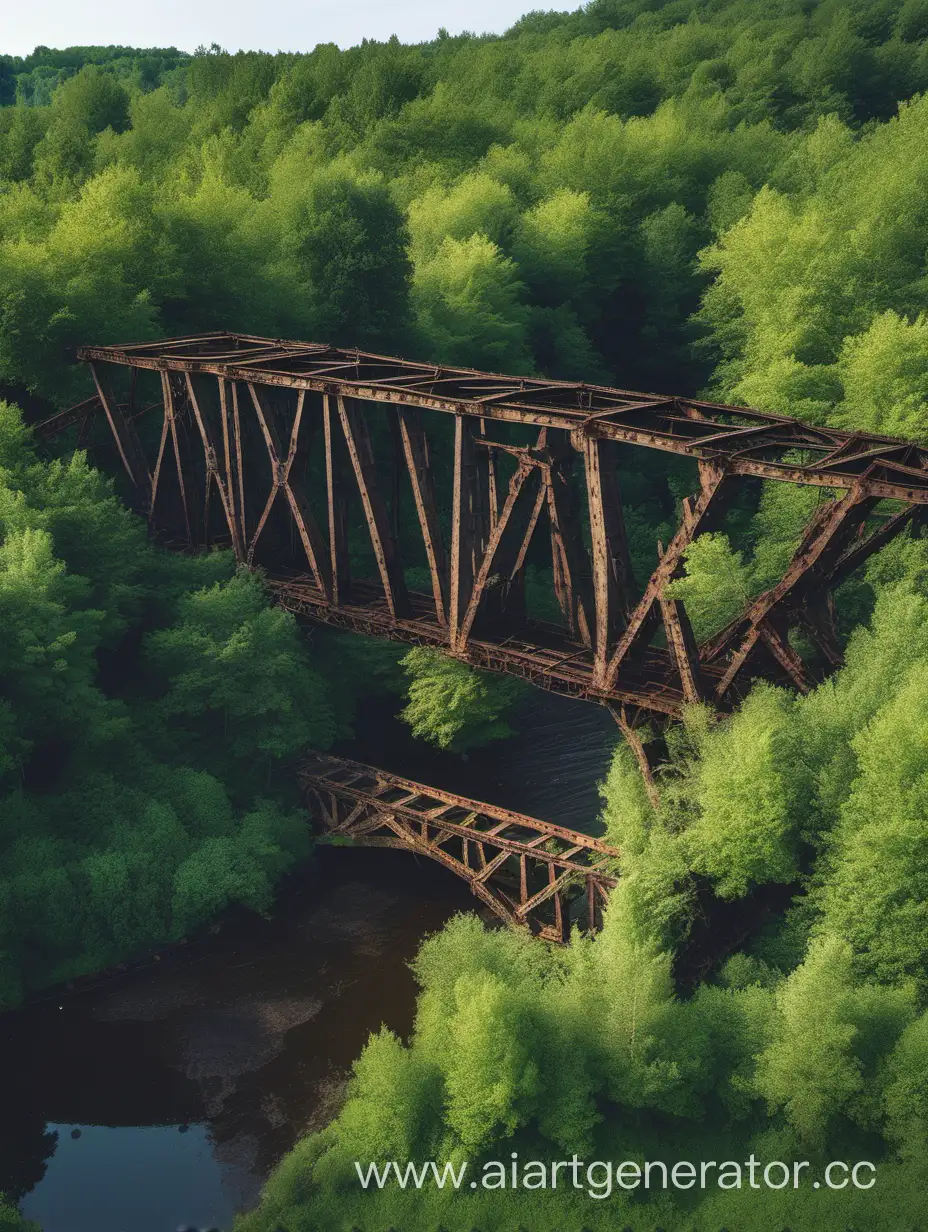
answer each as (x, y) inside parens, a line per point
(188, 1078)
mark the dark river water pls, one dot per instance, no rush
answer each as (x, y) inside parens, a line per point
(161, 1098)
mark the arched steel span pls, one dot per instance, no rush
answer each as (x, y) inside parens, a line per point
(530, 873)
(263, 445)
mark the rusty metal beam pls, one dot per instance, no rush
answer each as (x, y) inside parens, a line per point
(416, 452)
(182, 460)
(213, 473)
(470, 525)
(386, 550)
(282, 481)
(820, 549)
(572, 574)
(612, 570)
(696, 518)
(523, 863)
(756, 443)
(519, 498)
(629, 729)
(337, 509)
(126, 438)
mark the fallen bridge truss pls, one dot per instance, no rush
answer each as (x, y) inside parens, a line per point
(530, 873)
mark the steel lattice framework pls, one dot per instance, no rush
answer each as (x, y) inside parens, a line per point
(530, 873)
(263, 445)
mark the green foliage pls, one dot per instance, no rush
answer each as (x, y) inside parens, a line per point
(809, 1069)
(884, 375)
(454, 706)
(634, 973)
(782, 514)
(489, 1070)
(12, 1221)
(467, 304)
(815, 326)
(627, 813)
(595, 1044)
(239, 678)
(532, 202)
(906, 1090)
(877, 890)
(747, 790)
(344, 239)
(716, 585)
(134, 788)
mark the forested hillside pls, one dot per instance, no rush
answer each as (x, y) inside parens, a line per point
(535, 202)
(671, 196)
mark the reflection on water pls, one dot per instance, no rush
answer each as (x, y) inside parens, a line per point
(94, 1181)
(245, 1037)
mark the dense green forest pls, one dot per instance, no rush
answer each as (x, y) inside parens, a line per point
(674, 196)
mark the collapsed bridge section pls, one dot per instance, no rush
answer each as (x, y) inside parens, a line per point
(530, 873)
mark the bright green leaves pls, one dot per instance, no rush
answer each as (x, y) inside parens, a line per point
(240, 686)
(454, 706)
(884, 374)
(829, 1040)
(82, 107)
(716, 586)
(634, 974)
(818, 291)
(876, 894)
(489, 1071)
(468, 304)
(477, 204)
(748, 791)
(393, 1101)
(905, 1087)
(503, 1054)
(47, 665)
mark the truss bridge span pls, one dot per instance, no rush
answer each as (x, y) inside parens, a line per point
(415, 500)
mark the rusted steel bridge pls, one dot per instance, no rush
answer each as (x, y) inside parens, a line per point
(530, 873)
(269, 446)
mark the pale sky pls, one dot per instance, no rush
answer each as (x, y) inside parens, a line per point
(267, 25)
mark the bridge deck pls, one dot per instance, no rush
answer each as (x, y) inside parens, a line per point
(539, 654)
(531, 873)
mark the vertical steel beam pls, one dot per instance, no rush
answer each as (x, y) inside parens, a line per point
(239, 464)
(469, 526)
(337, 509)
(237, 514)
(612, 571)
(569, 560)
